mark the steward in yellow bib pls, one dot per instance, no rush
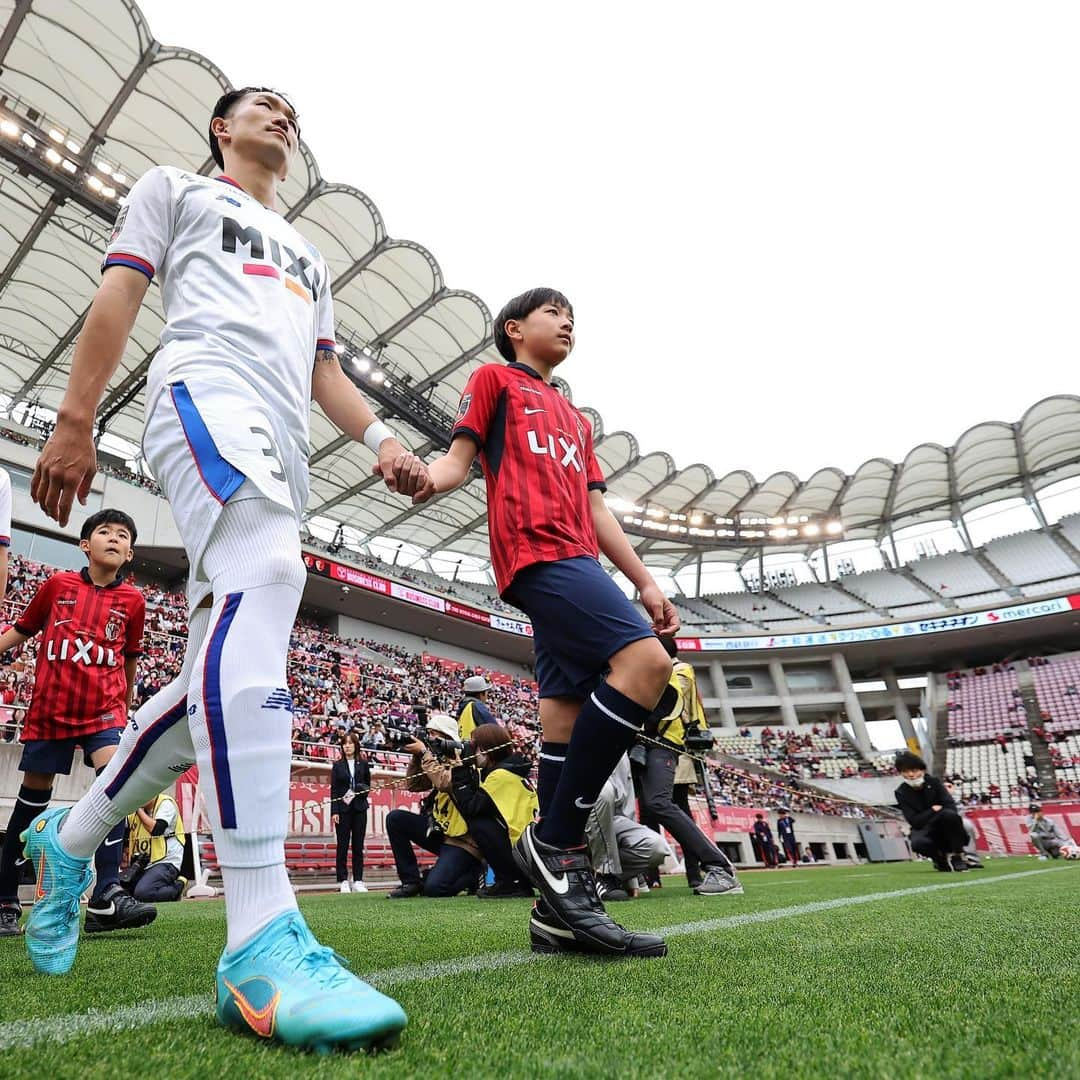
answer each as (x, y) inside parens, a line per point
(680, 712)
(495, 796)
(155, 841)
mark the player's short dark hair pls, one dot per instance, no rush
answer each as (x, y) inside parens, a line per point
(108, 516)
(906, 759)
(224, 106)
(520, 308)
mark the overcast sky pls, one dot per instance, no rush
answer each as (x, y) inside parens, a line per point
(795, 234)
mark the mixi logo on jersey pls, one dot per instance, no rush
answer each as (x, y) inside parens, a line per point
(301, 275)
(79, 651)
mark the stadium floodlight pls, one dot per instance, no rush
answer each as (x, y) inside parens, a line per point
(339, 349)
(69, 166)
(28, 140)
(696, 519)
(55, 135)
(811, 530)
(93, 183)
(9, 128)
(109, 192)
(834, 527)
(378, 376)
(363, 365)
(73, 146)
(52, 157)
(104, 167)
(119, 177)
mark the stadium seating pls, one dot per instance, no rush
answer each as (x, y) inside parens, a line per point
(983, 704)
(1028, 557)
(992, 774)
(884, 589)
(1057, 688)
(955, 575)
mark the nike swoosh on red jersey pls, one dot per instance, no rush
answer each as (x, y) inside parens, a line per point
(261, 1021)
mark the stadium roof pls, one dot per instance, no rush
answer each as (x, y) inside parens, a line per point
(114, 102)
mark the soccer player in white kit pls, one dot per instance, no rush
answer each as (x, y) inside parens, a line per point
(248, 342)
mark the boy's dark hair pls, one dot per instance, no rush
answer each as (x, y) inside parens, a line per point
(225, 104)
(521, 307)
(108, 517)
(908, 760)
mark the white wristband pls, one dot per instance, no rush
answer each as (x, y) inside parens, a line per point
(376, 434)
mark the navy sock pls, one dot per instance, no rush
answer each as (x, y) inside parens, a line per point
(548, 770)
(107, 862)
(107, 858)
(605, 729)
(28, 804)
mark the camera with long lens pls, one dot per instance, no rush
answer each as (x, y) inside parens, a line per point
(444, 749)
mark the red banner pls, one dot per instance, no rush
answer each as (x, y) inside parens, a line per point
(309, 807)
(1005, 831)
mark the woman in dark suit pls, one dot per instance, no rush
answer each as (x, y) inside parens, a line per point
(350, 782)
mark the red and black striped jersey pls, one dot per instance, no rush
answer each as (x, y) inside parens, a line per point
(536, 450)
(88, 631)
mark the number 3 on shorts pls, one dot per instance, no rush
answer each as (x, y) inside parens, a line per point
(271, 451)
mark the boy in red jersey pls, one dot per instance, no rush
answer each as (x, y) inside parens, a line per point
(600, 668)
(91, 624)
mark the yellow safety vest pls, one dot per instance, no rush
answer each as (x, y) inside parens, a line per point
(140, 842)
(687, 711)
(447, 816)
(513, 797)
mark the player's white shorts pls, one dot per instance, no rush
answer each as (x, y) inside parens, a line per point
(207, 444)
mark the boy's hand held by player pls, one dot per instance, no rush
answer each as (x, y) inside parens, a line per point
(425, 491)
(64, 470)
(665, 619)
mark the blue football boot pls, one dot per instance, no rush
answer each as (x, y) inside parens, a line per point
(284, 985)
(52, 928)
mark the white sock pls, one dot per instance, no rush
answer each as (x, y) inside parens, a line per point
(240, 709)
(254, 896)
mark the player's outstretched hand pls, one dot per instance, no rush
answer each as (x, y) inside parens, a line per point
(400, 470)
(665, 619)
(64, 471)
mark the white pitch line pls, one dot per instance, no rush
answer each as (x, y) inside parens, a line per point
(22, 1034)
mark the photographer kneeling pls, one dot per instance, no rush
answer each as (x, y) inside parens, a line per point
(495, 797)
(155, 852)
(439, 827)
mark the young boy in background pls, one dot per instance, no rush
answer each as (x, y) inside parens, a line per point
(92, 626)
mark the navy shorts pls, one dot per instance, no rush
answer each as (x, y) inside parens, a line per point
(580, 620)
(55, 755)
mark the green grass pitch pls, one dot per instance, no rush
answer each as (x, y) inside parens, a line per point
(979, 980)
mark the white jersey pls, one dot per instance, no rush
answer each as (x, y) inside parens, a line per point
(247, 303)
(5, 510)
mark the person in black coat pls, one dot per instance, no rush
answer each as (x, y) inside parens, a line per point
(937, 830)
(350, 782)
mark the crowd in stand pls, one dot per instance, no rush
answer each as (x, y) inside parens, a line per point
(819, 753)
(358, 685)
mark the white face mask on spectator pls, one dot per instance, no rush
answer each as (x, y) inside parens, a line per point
(915, 781)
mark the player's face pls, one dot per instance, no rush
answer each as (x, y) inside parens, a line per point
(547, 333)
(109, 546)
(263, 128)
